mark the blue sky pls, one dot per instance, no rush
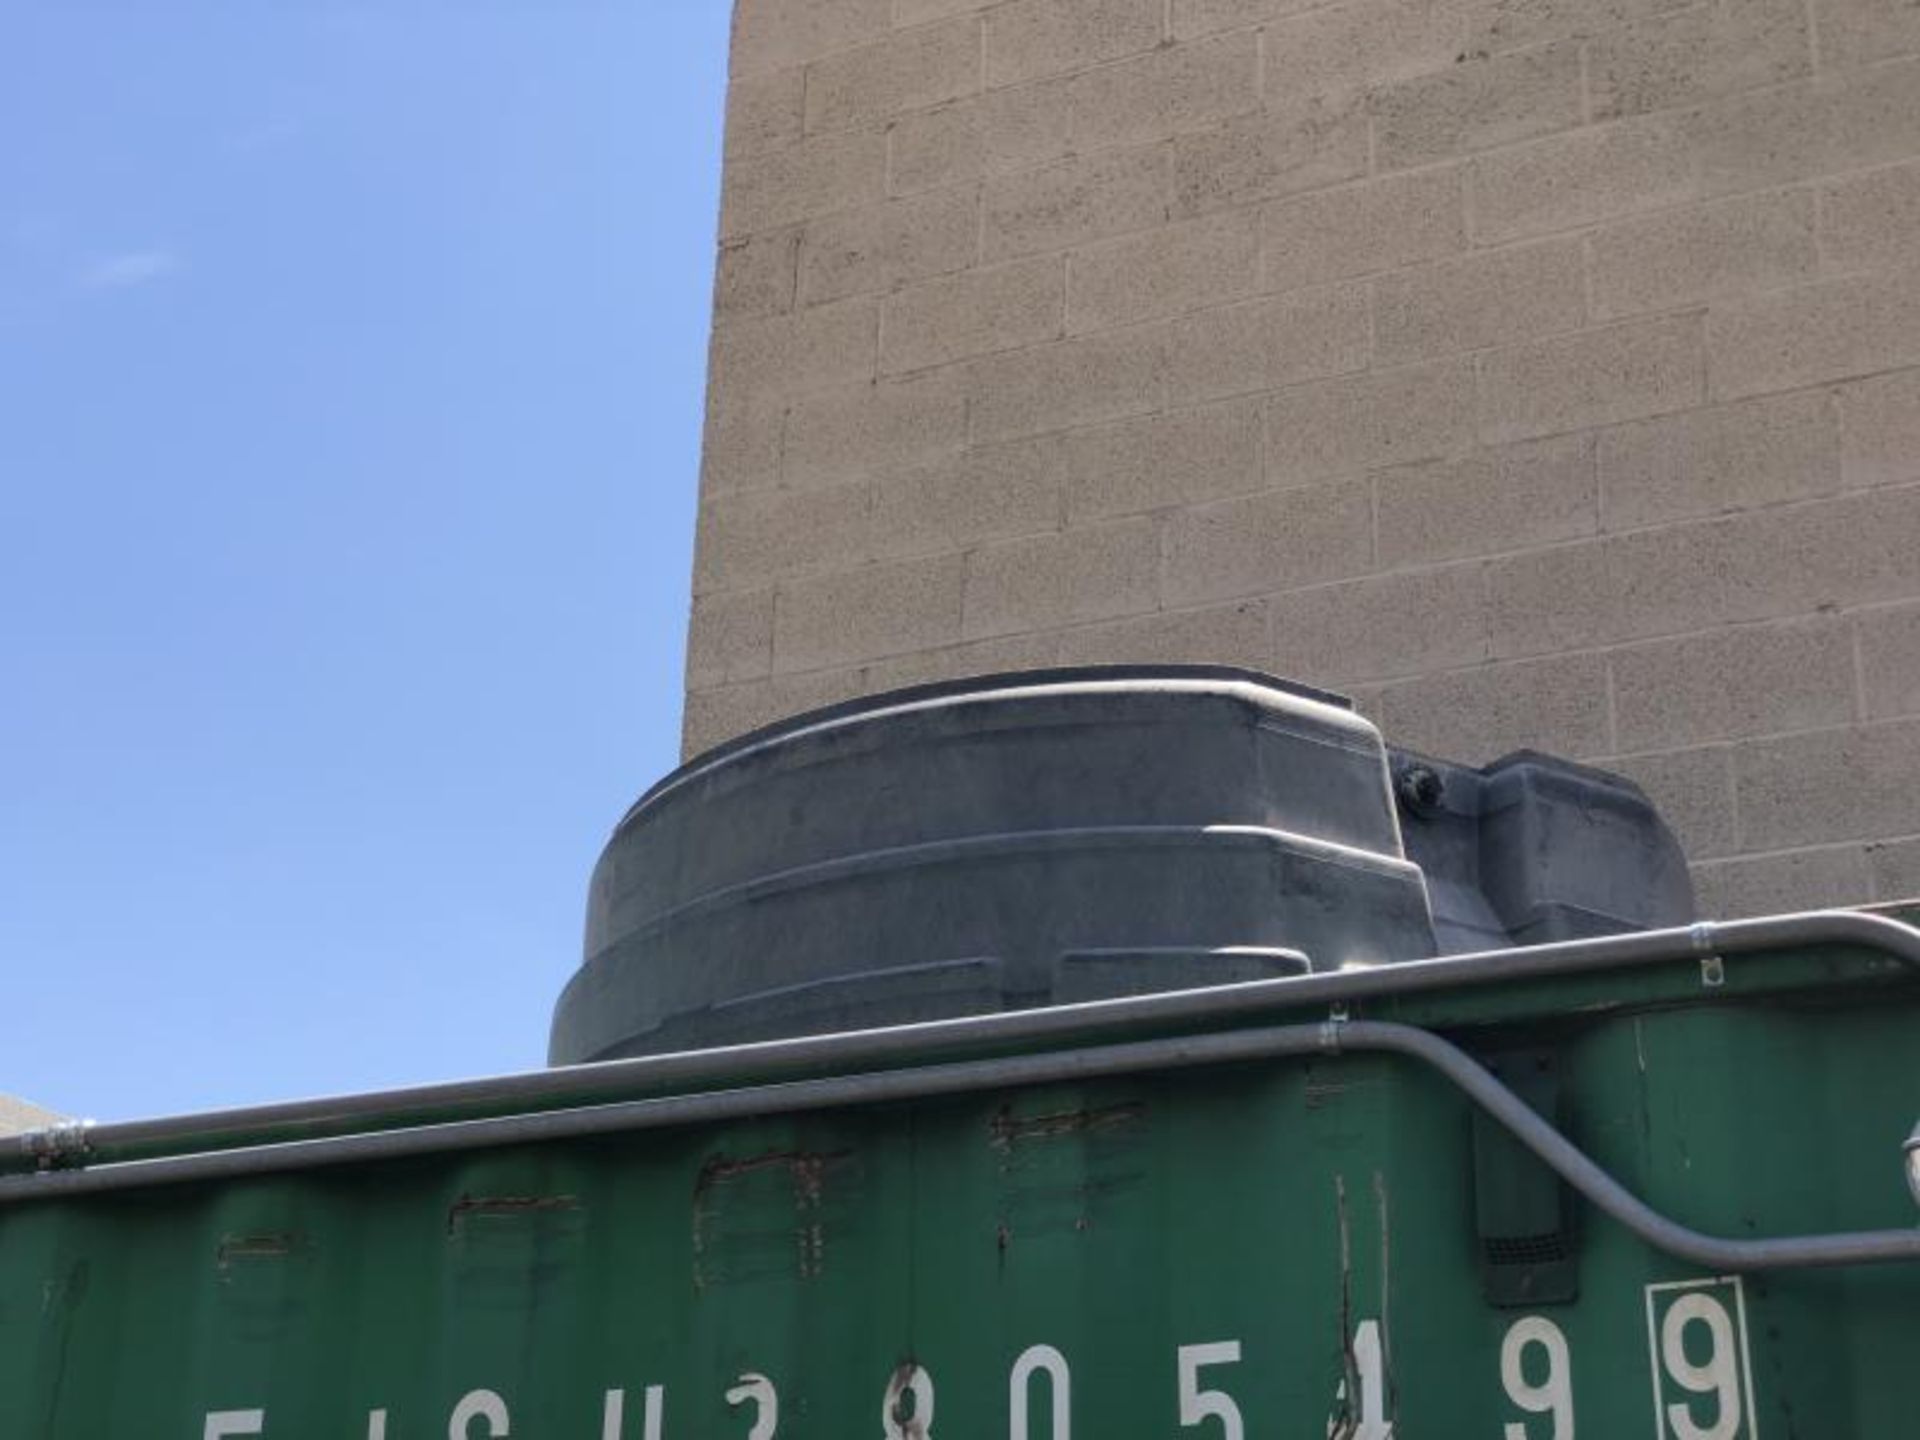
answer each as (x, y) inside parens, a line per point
(351, 362)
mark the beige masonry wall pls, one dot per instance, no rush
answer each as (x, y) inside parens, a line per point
(1540, 372)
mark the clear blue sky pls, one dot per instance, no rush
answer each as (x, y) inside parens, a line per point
(351, 362)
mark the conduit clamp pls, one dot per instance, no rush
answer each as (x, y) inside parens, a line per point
(1330, 1029)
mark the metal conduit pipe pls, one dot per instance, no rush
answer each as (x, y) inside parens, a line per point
(1333, 1037)
(294, 1121)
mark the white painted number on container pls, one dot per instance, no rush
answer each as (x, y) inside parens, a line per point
(1702, 1381)
(1046, 1359)
(907, 1413)
(222, 1423)
(613, 1414)
(376, 1425)
(1198, 1406)
(759, 1391)
(478, 1405)
(1537, 1336)
(1370, 1360)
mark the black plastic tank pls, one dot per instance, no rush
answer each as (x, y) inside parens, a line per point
(1057, 836)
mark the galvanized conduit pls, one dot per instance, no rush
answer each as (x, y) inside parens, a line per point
(294, 1121)
(1333, 1037)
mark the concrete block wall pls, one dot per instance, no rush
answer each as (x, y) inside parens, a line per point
(1540, 372)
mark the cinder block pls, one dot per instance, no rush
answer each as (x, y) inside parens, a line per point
(881, 247)
(1872, 220)
(743, 438)
(796, 182)
(1359, 229)
(729, 638)
(1828, 786)
(771, 34)
(987, 135)
(1267, 344)
(1685, 56)
(1889, 644)
(1176, 88)
(1729, 457)
(919, 12)
(1260, 544)
(1335, 53)
(1512, 498)
(766, 111)
(1597, 377)
(1823, 555)
(714, 716)
(1704, 252)
(753, 537)
(1895, 867)
(1163, 272)
(1206, 17)
(905, 70)
(1478, 105)
(1541, 602)
(1859, 32)
(1047, 581)
(1218, 635)
(1829, 331)
(1382, 627)
(974, 313)
(1371, 421)
(1777, 884)
(1751, 680)
(991, 493)
(840, 435)
(755, 276)
(1495, 297)
(1074, 201)
(1808, 129)
(821, 346)
(1499, 25)
(1185, 457)
(1027, 39)
(1584, 176)
(1481, 713)
(864, 614)
(1880, 426)
(1084, 381)
(1281, 150)
(978, 657)
(1692, 789)
(1819, 556)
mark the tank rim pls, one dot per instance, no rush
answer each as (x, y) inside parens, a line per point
(984, 683)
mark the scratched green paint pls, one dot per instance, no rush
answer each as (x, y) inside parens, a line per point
(1283, 1206)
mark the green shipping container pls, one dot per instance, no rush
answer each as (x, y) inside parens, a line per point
(1284, 1210)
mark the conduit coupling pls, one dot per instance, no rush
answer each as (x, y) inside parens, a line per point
(68, 1143)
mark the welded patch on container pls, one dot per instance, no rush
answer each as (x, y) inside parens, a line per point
(1062, 1170)
(265, 1281)
(264, 1245)
(470, 1208)
(1321, 1091)
(767, 1217)
(507, 1252)
(1008, 1129)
